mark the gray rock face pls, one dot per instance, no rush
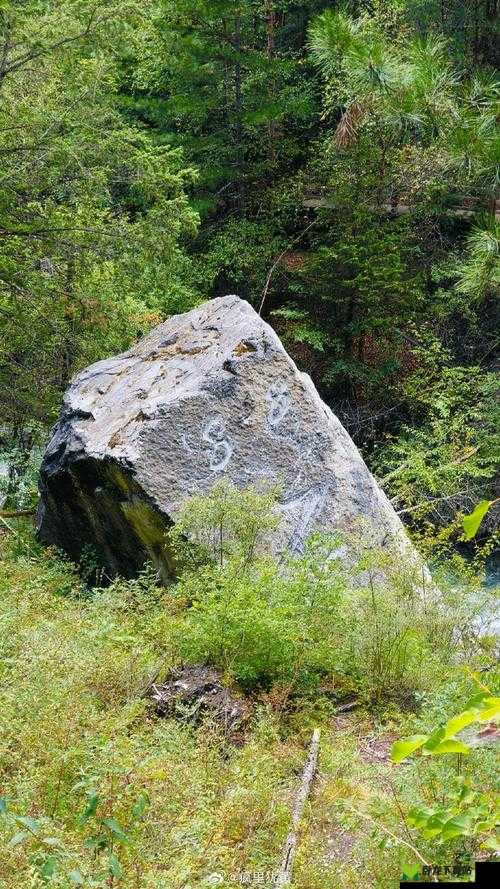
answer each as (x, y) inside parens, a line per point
(208, 394)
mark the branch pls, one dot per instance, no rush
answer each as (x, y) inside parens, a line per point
(450, 498)
(289, 849)
(35, 233)
(33, 54)
(458, 460)
(278, 260)
(394, 836)
(12, 530)
(14, 514)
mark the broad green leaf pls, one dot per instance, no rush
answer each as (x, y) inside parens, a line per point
(457, 723)
(435, 738)
(472, 522)
(49, 866)
(478, 699)
(457, 826)
(76, 877)
(433, 826)
(93, 802)
(116, 828)
(437, 820)
(492, 843)
(430, 832)
(449, 746)
(406, 746)
(3, 805)
(419, 817)
(489, 709)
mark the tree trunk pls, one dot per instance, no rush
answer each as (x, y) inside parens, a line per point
(238, 112)
(272, 128)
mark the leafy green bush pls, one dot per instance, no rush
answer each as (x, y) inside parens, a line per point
(366, 625)
(262, 626)
(20, 457)
(224, 524)
(455, 804)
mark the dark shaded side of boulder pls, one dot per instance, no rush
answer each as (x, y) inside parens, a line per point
(95, 507)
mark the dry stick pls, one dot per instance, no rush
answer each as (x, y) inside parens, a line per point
(16, 513)
(400, 810)
(393, 836)
(290, 847)
(278, 260)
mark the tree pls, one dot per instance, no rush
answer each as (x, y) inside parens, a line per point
(471, 27)
(224, 80)
(91, 211)
(384, 307)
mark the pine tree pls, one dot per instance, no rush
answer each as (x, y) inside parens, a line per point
(226, 81)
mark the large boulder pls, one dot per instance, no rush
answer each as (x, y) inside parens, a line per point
(208, 394)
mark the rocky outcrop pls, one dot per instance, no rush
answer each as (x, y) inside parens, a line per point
(208, 394)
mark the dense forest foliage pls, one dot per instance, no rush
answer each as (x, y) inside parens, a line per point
(335, 164)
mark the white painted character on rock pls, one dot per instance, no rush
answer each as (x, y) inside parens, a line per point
(280, 400)
(214, 434)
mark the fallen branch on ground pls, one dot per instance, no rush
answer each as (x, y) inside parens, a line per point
(290, 847)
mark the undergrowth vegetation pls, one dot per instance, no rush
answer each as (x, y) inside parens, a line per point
(98, 791)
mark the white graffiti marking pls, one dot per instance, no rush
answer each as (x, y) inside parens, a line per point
(214, 434)
(312, 501)
(280, 401)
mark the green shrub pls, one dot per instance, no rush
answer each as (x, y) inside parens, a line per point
(374, 624)
(260, 621)
(457, 810)
(224, 524)
(262, 626)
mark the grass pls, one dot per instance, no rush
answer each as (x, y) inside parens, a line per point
(106, 794)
